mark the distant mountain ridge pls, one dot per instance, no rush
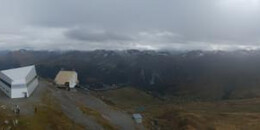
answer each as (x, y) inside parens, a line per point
(202, 74)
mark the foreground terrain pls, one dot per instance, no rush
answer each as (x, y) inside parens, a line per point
(241, 114)
(52, 108)
(111, 110)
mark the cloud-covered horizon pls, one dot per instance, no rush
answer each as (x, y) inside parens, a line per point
(136, 24)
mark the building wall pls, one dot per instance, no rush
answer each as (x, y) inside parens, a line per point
(74, 80)
(3, 87)
(72, 83)
(31, 75)
(32, 86)
(62, 78)
(18, 91)
(4, 77)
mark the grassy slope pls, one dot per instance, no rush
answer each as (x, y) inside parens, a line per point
(48, 116)
(222, 115)
(127, 98)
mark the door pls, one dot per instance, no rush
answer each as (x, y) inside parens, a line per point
(25, 94)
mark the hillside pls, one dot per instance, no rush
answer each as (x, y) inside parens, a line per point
(167, 115)
(202, 75)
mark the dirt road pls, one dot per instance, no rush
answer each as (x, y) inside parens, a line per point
(70, 99)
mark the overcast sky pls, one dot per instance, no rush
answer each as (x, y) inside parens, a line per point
(129, 24)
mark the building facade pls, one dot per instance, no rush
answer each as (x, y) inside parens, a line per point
(19, 82)
(67, 79)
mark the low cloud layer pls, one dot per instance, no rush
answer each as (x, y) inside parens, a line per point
(136, 24)
(96, 35)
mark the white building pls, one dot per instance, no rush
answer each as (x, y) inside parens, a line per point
(67, 79)
(19, 82)
(138, 118)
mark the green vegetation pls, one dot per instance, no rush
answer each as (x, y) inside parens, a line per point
(4, 116)
(168, 115)
(127, 98)
(48, 116)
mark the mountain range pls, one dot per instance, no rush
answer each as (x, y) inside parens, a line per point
(194, 74)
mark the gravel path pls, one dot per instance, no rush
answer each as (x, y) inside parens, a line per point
(69, 101)
(69, 104)
(70, 108)
(118, 118)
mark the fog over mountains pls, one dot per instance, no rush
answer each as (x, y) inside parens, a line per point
(200, 74)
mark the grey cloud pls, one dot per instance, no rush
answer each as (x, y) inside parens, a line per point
(180, 24)
(95, 36)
